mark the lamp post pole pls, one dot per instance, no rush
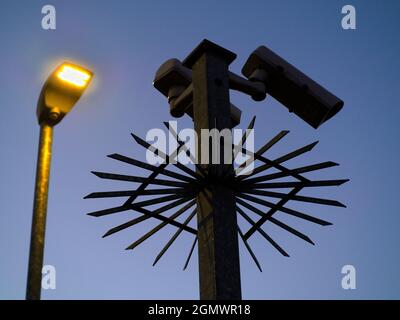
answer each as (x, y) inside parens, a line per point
(219, 266)
(38, 230)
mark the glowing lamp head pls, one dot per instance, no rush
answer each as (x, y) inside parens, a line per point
(61, 91)
(74, 75)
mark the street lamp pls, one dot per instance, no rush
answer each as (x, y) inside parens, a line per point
(59, 94)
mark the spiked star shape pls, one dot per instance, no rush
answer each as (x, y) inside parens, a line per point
(252, 191)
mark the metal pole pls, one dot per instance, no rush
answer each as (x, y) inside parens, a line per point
(219, 266)
(39, 213)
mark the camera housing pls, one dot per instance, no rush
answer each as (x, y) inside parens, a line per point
(171, 79)
(174, 81)
(291, 87)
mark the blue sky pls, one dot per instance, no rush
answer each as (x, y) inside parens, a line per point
(124, 42)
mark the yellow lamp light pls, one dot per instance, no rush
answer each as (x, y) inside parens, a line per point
(74, 75)
(61, 91)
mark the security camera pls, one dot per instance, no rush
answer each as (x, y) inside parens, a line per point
(171, 79)
(300, 94)
(174, 81)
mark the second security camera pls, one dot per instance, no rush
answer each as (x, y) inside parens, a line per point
(296, 91)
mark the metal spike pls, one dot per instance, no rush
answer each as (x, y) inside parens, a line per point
(291, 230)
(104, 212)
(274, 164)
(112, 194)
(166, 157)
(108, 194)
(122, 177)
(163, 218)
(250, 207)
(244, 137)
(304, 169)
(125, 225)
(279, 195)
(147, 216)
(185, 149)
(279, 160)
(295, 184)
(273, 208)
(297, 152)
(173, 204)
(280, 207)
(145, 183)
(174, 237)
(275, 140)
(261, 231)
(159, 227)
(153, 201)
(150, 167)
(190, 254)
(275, 221)
(260, 151)
(306, 217)
(249, 249)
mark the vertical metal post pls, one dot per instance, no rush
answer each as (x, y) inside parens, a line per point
(39, 213)
(219, 266)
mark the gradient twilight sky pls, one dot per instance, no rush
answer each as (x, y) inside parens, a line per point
(124, 42)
